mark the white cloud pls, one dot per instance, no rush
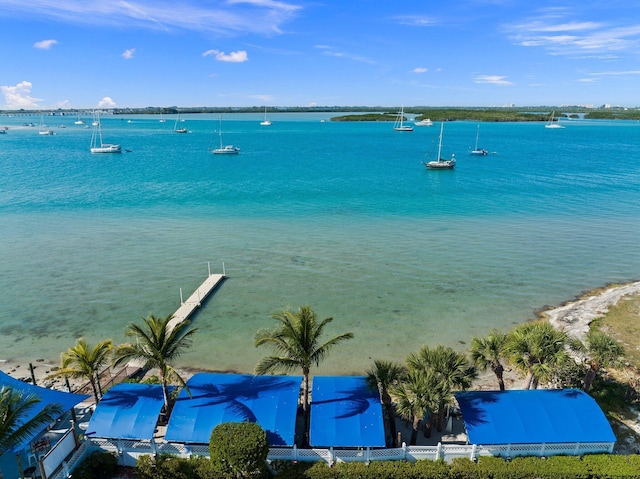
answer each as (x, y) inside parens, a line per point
(330, 51)
(492, 79)
(417, 20)
(128, 54)
(19, 96)
(45, 44)
(614, 73)
(419, 70)
(561, 37)
(234, 57)
(233, 16)
(106, 102)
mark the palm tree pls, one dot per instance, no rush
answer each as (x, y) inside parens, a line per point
(382, 376)
(487, 352)
(14, 408)
(602, 351)
(416, 396)
(157, 346)
(296, 344)
(452, 370)
(538, 350)
(86, 361)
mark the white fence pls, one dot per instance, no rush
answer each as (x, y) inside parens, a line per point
(129, 451)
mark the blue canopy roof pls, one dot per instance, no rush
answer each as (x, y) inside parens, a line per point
(47, 396)
(127, 411)
(345, 413)
(270, 401)
(533, 416)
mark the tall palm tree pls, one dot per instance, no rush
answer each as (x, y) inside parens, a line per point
(86, 361)
(537, 349)
(157, 345)
(382, 376)
(14, 407)
(486, 352)
(452, 370)
(296, 343)
(602, 351)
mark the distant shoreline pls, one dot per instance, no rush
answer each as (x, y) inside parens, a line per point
(440, 113)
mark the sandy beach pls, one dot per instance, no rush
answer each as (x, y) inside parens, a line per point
(573, 317)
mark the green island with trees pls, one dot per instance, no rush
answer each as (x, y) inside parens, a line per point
(606, 364)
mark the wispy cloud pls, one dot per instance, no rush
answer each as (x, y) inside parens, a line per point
(560, 35)
(233, 57)
(617, 73)
(45, 44)
(417, 20)
(128, 54)
(19, 96)
(492, 79)
(231, 17)
(332, 52)
(419, 70)
(106, 102)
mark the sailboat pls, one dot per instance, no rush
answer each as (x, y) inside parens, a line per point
(97, 146)
(227, 149)
(399, 124)
(44, 129)
(265, 122)
(479, 151)
(79, 121)
(439, 163)
(175, 126)
(162, 120)
(553, 124)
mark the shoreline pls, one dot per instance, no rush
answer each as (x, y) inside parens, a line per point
(573, 316)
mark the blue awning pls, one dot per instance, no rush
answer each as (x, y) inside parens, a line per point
(345, 413)
(270, 401)
(47, 396)
(533, 416)
(127, 411)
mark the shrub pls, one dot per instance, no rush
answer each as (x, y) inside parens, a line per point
(97, 465)
(239, 449)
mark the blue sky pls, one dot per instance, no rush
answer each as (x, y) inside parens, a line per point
(137, 53)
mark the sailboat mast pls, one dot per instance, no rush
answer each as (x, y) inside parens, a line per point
(477, 134)
(440, 141)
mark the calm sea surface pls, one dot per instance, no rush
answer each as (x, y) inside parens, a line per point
(343, 217)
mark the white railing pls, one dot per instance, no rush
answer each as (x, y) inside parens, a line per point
(129, 451)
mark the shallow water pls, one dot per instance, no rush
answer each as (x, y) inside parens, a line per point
(340, 216)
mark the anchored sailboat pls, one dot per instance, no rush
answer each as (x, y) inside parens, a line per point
(439, 163)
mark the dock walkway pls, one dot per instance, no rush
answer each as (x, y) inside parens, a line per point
(188, 307)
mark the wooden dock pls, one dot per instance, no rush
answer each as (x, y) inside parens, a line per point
(193, 302)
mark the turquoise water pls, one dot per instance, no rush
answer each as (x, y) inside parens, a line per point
(340, 216)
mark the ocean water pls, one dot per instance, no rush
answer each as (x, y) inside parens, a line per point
(343, 217)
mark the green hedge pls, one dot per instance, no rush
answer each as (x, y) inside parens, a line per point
(600, 466)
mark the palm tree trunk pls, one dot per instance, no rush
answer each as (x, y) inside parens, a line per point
(498, 370)
(165, 391)
(305, 405)
(92, 381)
(528, 381)
(392, 422)
(414, 431)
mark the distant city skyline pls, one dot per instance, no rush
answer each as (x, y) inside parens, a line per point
(296, 53)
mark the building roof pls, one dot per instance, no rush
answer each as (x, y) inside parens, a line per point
(46, 395)
(127, 411)
(270, 401)
(533, 416)
(345, 413)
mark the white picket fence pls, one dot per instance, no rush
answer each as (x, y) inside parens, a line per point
(128, 452)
